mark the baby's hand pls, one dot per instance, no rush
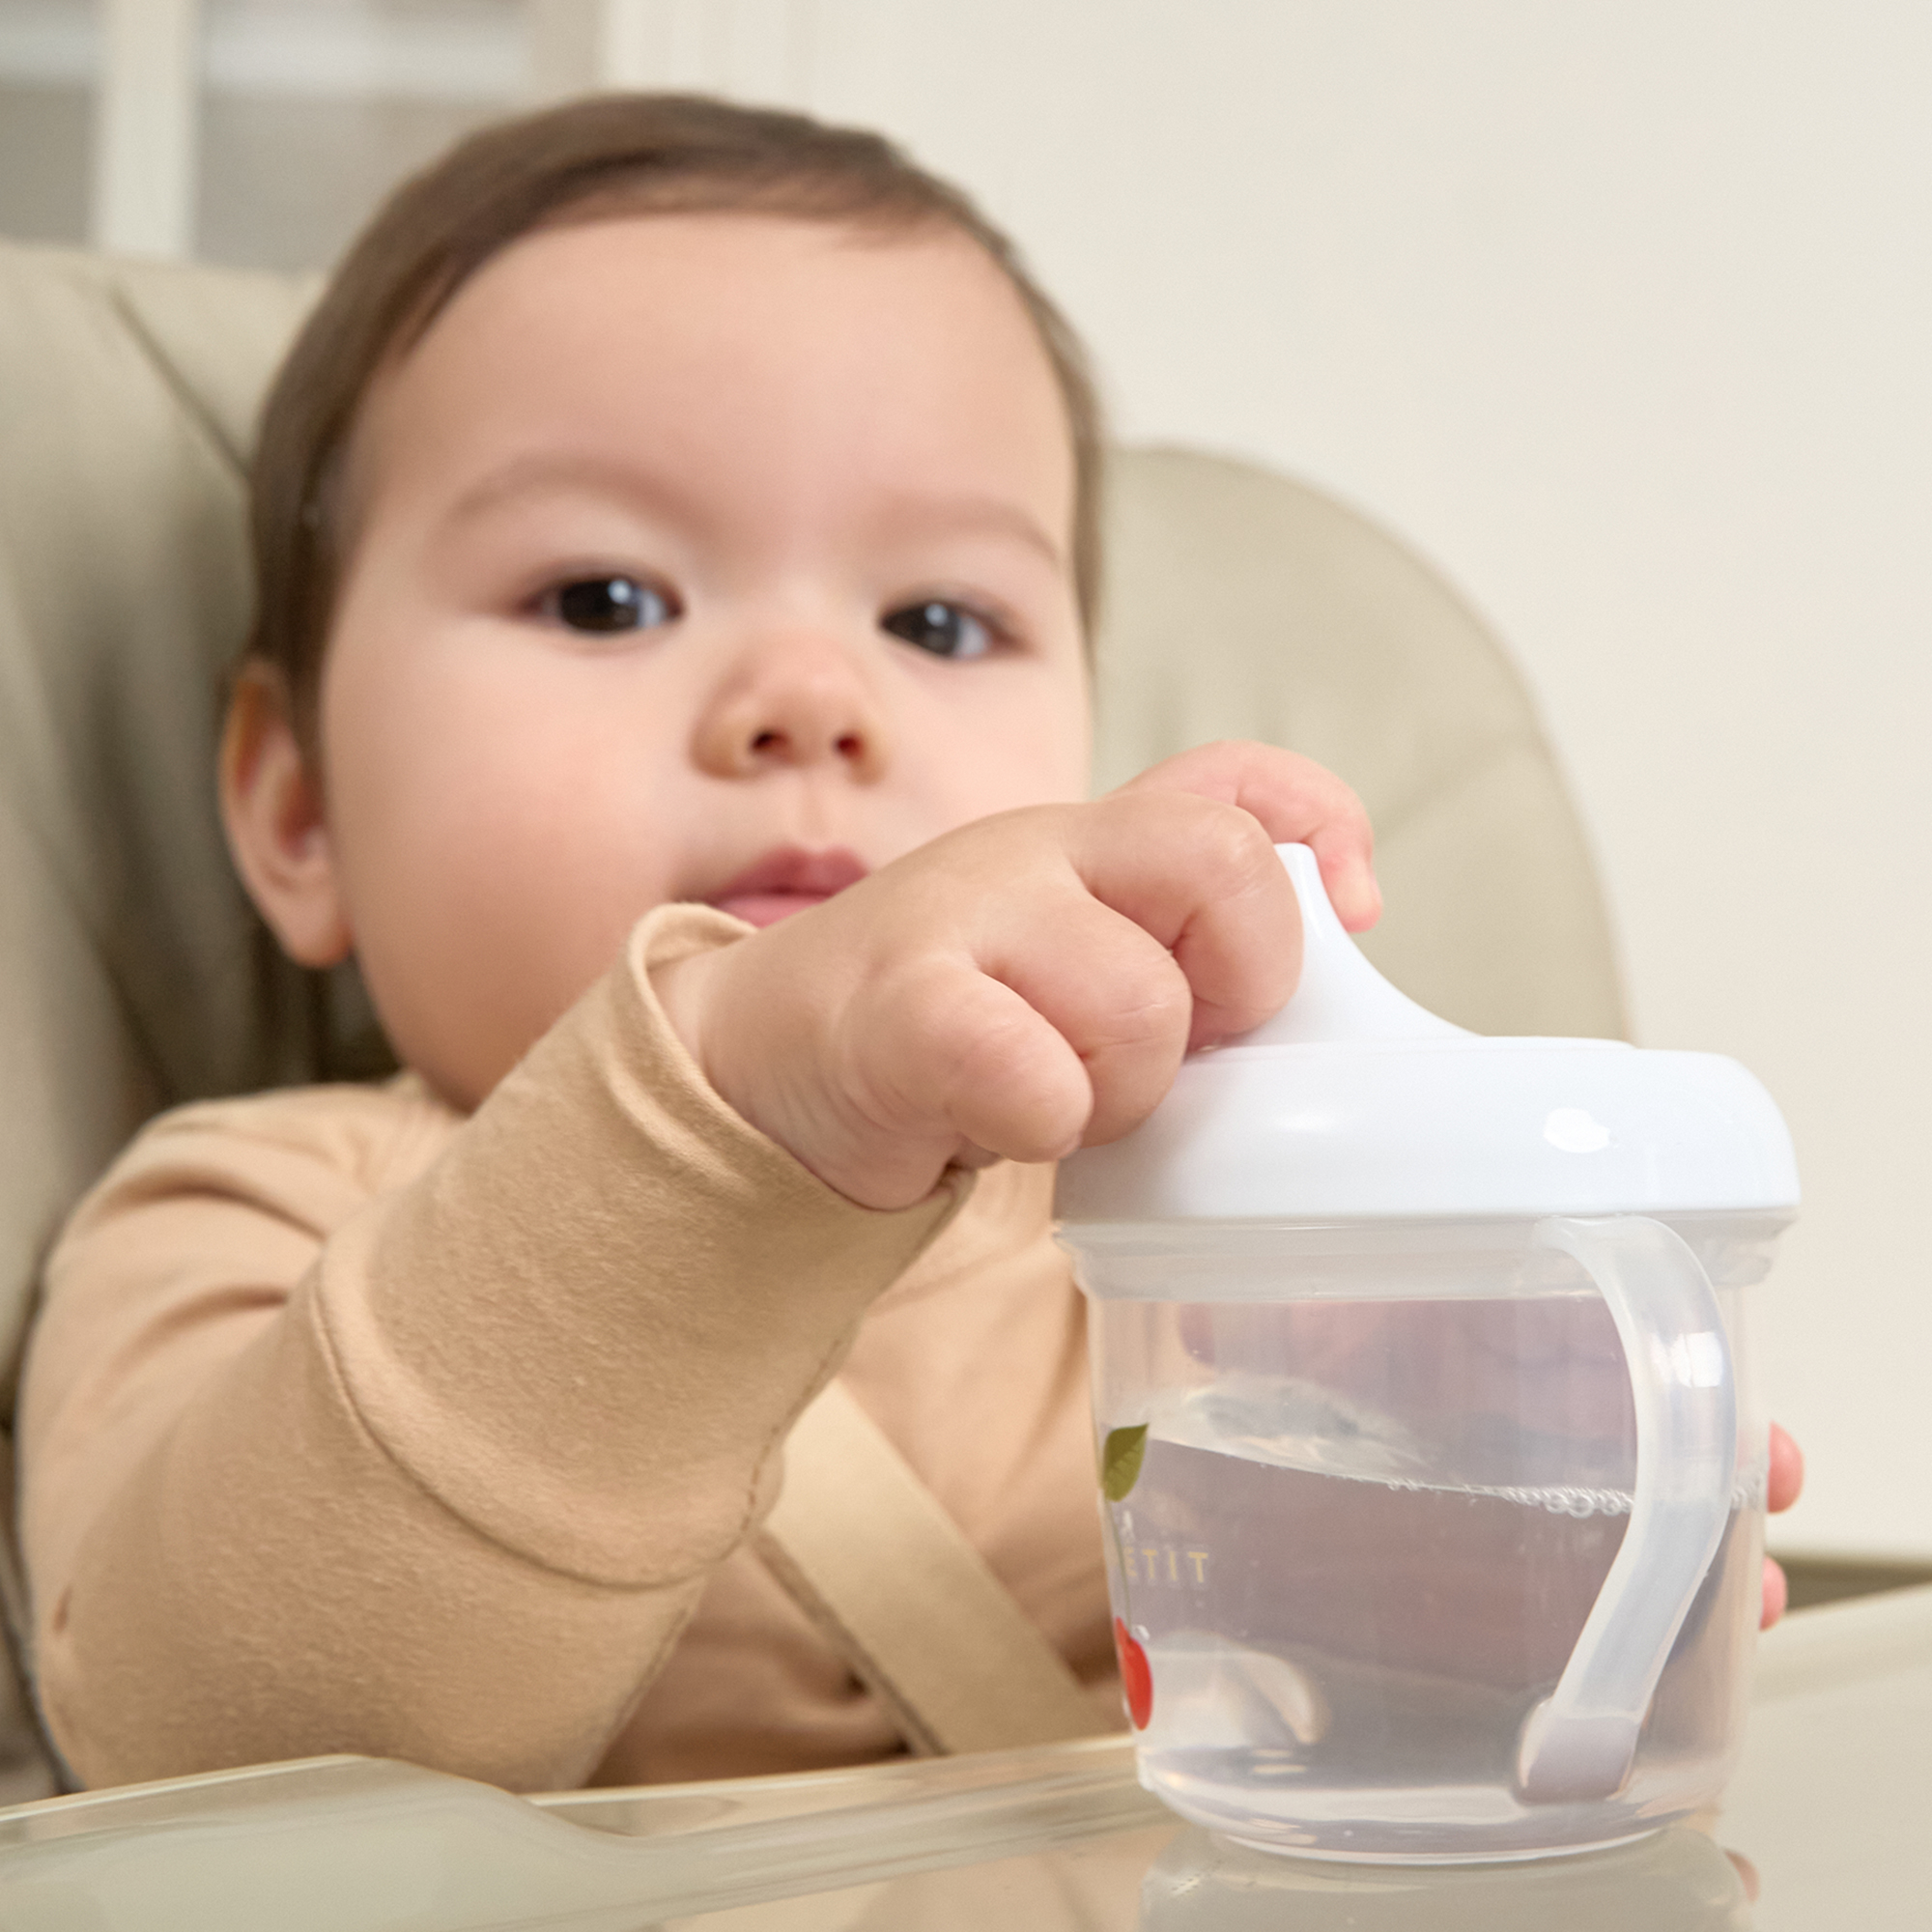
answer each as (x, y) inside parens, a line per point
(1026, 984)
(1787, 1478)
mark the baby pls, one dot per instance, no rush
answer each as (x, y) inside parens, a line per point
(677, 532)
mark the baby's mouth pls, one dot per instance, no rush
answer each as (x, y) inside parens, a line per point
(785, 881)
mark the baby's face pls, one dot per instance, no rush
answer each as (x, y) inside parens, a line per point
(715, 557)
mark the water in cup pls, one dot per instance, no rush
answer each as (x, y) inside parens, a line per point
(1345, 1626)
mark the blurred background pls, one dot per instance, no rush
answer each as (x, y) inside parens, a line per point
(1620, 313)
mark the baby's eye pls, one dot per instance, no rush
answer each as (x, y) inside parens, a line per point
(945, 630)
(604, 604)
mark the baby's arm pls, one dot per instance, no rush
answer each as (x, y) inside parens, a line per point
(437, 1474)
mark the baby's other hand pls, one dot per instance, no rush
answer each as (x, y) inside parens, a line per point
(1025, 985)
(1781, 1488)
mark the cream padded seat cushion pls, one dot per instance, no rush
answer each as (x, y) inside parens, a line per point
(129, 977)
(1242, 604)
(132, 974)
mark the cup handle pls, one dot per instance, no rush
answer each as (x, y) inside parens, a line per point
(1578, 1745)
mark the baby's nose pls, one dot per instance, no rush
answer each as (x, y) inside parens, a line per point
(799, 706)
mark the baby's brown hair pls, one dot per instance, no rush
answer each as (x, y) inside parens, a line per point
(604, 156)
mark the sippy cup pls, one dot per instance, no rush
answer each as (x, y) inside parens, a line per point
(1431, 1484)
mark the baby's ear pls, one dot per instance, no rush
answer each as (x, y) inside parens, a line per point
(272, 809)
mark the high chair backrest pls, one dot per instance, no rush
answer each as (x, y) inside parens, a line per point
(132, 974)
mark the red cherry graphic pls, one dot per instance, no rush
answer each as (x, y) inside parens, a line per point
(1136, 1675)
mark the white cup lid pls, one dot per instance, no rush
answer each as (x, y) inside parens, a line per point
(1356, 1104)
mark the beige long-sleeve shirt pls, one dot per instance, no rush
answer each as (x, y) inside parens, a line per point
(350, 1424)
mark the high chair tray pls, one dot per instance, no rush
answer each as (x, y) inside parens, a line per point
(1827, 1805)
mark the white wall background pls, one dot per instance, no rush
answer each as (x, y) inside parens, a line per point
(1621, 313)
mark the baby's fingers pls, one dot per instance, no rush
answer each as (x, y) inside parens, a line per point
(986, 1062)
(1297, 801)
(1116, 996)
(1782, 1484)
(1200, 877)
(1787, 1471)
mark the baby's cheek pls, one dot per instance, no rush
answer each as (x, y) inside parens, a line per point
(463, 979)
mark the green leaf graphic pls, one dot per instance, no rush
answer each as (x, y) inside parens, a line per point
(1120, 1460)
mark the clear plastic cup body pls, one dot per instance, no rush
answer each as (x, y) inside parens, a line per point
(1361, 1490)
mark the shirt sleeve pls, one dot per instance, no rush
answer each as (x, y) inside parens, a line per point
(434, 1471)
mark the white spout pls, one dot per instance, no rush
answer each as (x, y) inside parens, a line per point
(1340, 995)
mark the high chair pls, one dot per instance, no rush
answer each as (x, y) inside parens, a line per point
(133, 975)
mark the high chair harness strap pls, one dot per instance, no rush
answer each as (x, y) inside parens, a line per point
(866, 1551)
